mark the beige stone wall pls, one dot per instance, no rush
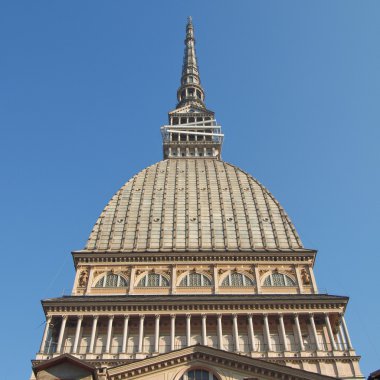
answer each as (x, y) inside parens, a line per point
(301, 274)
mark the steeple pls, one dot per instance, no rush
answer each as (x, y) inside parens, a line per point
(190, 91)
(192, 131)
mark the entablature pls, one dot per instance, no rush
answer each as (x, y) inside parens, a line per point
(266, 256)
(256, 304)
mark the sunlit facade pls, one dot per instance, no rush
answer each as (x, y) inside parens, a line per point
(194, 271)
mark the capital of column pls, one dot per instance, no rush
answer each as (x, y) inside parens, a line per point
(188, 316)
(111, 317)
(204, 316)
(95, 317)
(64, 317)
(142, 316)
(80, 317)
(172, 316)
(126, 316)
(157, 316)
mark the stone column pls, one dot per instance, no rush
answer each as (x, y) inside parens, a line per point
(46, 331)
(313, 328)
(109, 333)
(141, 333)
(125, 334)
(77, 333)
(220, 331)
(172, 332)
(342, 342)
(157, 333)
(329, 330)
(299, 334)
(282, 332)
(188, 329)
(93, 333)
(346, 335)
(236, 332)
(251, 333)
(204, 330)
(267, 332)
(61, 333)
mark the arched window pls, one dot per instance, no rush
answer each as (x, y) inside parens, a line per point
(198, 374)
(237, 280)
(153, 280)
(195, 279)
(112, 280)
(279, 279)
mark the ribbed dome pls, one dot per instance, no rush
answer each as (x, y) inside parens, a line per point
(192, 205)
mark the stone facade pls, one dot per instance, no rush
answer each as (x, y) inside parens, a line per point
(194, 271)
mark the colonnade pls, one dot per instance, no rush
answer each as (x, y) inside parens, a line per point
(341, 341)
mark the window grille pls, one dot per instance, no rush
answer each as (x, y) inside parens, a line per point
(153, 280)
(279, 279)
(196, 280)
(237, 280)
(112, 280)
(198, 374)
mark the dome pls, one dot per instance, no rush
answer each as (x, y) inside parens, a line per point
(192, 205)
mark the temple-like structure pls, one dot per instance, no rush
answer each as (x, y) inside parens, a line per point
(194, 271)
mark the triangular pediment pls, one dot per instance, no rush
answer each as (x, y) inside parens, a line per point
(223, 364)
(58, 367)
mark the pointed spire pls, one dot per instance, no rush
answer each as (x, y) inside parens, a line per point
(192, 131)
(190, 91)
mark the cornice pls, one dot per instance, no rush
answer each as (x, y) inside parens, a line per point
(88, 257)
(199, 303)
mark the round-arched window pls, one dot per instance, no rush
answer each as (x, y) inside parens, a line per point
(198, 374)
(279, 279)
(153, 280)
(111, 280)
(195, 279)
(237, 280)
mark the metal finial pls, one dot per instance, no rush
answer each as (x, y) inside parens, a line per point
(189, 20)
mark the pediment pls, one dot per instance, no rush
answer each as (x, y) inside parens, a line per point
(62, 366)
(223, 364)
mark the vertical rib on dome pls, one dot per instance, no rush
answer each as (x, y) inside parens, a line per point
(195, 205)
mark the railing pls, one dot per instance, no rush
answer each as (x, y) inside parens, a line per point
(207, 130)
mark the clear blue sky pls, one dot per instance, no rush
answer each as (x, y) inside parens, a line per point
(85, 86)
